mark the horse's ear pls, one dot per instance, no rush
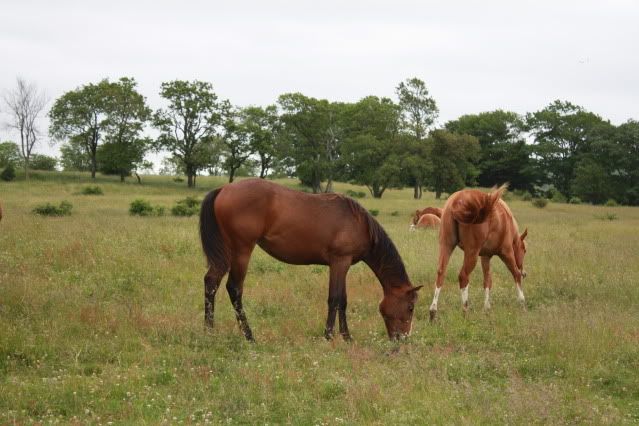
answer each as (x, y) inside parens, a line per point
(523, 235)
(415, 289)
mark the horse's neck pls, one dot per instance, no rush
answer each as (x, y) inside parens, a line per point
(388, 267)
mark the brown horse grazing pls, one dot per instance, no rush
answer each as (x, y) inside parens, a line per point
(428, 210)
(481, 225)
(428, 221)
(300, 229)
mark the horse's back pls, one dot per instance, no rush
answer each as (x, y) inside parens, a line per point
(428, 220)
(292, 226)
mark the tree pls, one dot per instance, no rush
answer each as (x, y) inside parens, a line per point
(188, 123)
(24, 105)
(505, 156)
(592, 182)
(80, 115)
(624, 162)
(43, 162)
(418, 109)
(452, 157)
(74, 157)
(370, 151)
(263, 129)
(418, 112)
(9, 154)
(314, 128)
(234, 140)
(126, 114)
(563, 132)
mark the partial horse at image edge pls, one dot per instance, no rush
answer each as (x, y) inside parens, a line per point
(482, 225)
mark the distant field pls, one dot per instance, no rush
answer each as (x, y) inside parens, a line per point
(101, 321)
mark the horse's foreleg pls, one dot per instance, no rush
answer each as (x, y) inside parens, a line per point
(337, 300)
(488, 280)
(470, 260)
(235, 287)
(211, 284)
(509, 260)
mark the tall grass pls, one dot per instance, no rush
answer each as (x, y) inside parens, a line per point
(101, 320)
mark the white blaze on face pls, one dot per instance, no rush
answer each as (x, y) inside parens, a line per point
(486, 298)
(464, 295)
(433, 306)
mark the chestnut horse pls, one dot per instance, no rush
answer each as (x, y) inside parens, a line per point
(300, 229)
(428, 210)
(481, 225)
(426, 221)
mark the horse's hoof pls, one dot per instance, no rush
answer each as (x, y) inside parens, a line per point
(328, 335)
(347, 338)
(433, 314)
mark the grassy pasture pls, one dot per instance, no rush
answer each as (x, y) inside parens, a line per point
(101, 321)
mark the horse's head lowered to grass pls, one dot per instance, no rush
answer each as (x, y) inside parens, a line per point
(397, 310)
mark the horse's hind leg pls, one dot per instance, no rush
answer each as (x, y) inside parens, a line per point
(211, 284)
(445, 251)
(470, 260)
(488, 280)
(235, 287)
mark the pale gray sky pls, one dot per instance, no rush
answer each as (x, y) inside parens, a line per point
(474, 56)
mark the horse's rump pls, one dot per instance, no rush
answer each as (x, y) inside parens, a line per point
(428, 221)
(472, 206)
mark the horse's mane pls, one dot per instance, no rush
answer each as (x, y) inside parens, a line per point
(383, 256)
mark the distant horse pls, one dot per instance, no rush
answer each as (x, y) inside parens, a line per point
(481, 225)
(300, 229)
(428, 210)
(426, 221)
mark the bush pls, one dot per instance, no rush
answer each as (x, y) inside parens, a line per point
(355, 194)
(395, 213)
(186, 207)
(607, 216)
(91, 190)
(48, 209)
(526, 196)
(9, 173)
(556, 196)
(539, 202)
(141, 207)
(575, 200)
(374, 212)
(178, 179)
(611, 203)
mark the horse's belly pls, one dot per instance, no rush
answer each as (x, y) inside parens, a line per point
(293, 253)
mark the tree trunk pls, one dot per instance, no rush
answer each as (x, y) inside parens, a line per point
(122, 178)
(438, 194)
(329, 185)
(189, 179)
(416, 191)
(26, 169)
(138, 177)
(231, 175)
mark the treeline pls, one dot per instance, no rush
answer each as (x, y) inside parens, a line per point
(561, 151)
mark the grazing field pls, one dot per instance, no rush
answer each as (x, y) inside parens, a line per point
(101, 321)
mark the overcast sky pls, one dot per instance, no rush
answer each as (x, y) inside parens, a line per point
(474, 56)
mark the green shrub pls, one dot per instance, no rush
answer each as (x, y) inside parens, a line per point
(539, 202)
(92, 190)
(374, 212)
(48, 209)
(395, 213)
(607, 216)
(611, 203)
(526, 196)
(9, 173)
(186, 207)
(178, 179)
(142, 207)
(575, 200)
(556, 196)
(355, 194)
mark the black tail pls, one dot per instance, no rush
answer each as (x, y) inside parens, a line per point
(212, 243)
